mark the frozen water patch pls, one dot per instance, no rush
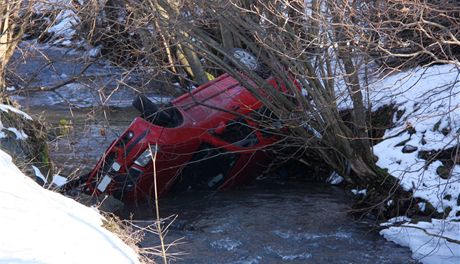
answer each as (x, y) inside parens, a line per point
(297, 256)
(82, 95)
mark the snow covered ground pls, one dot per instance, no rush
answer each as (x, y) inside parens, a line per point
(40, 226)
(428, 121)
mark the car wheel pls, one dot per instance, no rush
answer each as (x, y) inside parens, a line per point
(246, 58)
(251, 62)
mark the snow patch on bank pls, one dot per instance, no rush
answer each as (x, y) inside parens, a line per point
(40, 226)
(435, 242)
(9, 108)
(429, 103)
(20, 134)
(427, 121)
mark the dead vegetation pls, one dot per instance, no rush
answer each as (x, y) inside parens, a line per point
(133, 232)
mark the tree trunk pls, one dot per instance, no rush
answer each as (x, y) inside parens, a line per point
(227, 36)
(168, 9)
(8, 39)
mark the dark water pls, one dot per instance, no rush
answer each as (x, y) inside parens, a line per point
(267, 222)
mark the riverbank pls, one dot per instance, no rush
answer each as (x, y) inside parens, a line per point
(421, 150)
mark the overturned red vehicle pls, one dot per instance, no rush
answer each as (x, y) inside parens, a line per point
(210, 138)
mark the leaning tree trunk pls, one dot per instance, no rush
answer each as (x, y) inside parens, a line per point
(168, 11)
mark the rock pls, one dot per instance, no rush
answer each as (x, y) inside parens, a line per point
(409, 149)
(447, 211)
(445, 131)
(423, 154)
(402, 143)
(443, 172)
(423, 140)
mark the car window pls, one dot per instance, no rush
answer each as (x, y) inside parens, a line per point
(239, 133)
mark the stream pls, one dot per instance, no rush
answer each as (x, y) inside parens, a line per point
(269, 221)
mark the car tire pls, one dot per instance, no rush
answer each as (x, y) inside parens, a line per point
(250, 61)
(246, 58)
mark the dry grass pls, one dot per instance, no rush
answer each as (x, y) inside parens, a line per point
(132, 235)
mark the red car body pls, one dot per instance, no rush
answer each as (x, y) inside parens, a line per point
(216, 142)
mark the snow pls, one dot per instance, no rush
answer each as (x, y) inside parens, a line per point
(59, 180)
(39, 174)
(7, 108)
(429, 114)
(396, 220)
(431, 104)
(95, 51)
(21, 135)
(40, 226)
(64, 25)
(429, 242)
(334, 178)
(362, 192)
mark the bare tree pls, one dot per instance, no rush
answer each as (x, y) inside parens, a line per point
(326, 46)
